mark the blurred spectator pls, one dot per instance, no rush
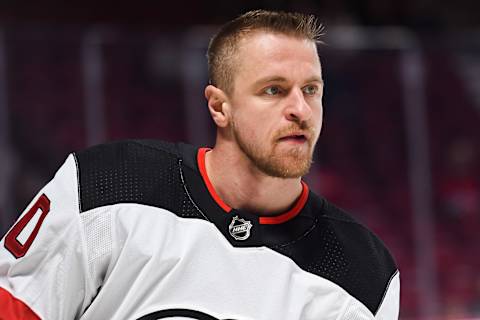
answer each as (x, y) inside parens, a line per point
(474, 308)
(27, 182)
(455, 310)
(329, 183)
(7, 169)
(460, 187)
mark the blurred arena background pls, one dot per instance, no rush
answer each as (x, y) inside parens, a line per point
(401, 139)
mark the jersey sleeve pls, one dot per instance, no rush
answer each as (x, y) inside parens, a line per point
(388, 310)
(390, 307)
(43, 257)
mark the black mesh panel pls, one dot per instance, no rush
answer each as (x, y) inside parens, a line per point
(344, 252)
(144, 172)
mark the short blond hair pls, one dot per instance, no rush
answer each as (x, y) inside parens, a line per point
(223, 46)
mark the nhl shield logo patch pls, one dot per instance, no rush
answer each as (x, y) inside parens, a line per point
(239, 228)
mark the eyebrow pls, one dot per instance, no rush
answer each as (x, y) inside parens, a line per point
(282, 79)
(316, 79)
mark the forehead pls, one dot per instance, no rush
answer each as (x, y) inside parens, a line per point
(270, 54)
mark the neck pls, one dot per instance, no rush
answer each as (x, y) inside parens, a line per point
(253, 190)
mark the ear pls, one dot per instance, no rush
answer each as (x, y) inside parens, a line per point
(217, 105)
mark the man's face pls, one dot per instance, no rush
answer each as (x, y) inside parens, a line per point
(276, 102)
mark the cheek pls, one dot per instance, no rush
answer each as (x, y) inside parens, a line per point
(243, 126)
(318, 116)
(253, 125)
(251, 130)
(320, 121)
(317, 122)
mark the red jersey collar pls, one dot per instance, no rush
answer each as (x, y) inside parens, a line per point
(284, 217)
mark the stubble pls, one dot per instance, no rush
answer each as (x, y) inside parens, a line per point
(271, 160)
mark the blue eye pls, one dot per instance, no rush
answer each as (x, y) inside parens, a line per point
(272, 91)
(310, 90)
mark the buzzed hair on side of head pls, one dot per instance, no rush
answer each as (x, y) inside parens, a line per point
(223, 46)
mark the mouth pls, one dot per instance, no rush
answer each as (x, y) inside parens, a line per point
(295, 138)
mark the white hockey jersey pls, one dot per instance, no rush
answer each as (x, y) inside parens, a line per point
(135, 230)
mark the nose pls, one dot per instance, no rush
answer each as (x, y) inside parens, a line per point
(297, 109)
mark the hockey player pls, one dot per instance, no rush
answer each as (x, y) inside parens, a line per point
(153, 230)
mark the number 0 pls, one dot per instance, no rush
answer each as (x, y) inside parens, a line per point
(11, 242)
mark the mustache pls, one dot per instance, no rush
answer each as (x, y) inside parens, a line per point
(295, 128)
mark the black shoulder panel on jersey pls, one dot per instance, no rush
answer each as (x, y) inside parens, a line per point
(133, 171)
(345, 252)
